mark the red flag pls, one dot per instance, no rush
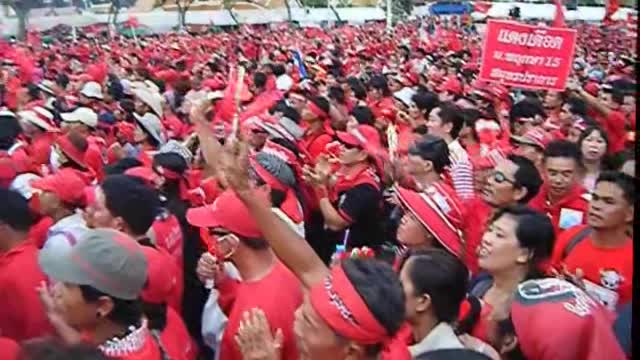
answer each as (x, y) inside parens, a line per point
(558, 20)
(481, 7)
(612, 7)
(132, 22)
(261, 104)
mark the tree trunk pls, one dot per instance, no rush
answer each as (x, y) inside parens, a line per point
(183, 19)
(116, 12)
(335, 12)
(233, 16)
(288, 6)
(22, 16)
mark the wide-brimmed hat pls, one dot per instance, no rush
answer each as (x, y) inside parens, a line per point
(152, 100)
(152, 125)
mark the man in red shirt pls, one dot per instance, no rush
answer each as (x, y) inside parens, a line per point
(515, 180)
(22, 316)
(266, 283)
(84, 121)
(602, 250)
(562, 197)
(609, 114)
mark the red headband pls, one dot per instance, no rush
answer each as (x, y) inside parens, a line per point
(341, 307)
(315, 109)
(268, 178)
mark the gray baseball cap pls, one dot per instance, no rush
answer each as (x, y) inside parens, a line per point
(104, 259)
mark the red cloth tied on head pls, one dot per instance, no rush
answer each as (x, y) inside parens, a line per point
(316, 110)
(338, 303)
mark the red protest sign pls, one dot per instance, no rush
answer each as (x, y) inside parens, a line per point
(527, 56)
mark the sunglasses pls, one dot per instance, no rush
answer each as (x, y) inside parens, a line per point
(500, 178)
(349, 146)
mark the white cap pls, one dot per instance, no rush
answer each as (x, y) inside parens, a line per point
(47, 86)
(82, 115)
(153, 100)
(92, 90)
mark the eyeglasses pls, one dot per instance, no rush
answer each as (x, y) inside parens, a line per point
(500, 178)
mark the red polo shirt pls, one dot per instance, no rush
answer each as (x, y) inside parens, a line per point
(9, 349)
(315, 144)
(476, 214)
(569, 211)
(267, 295)
(609, 270)
(22, 315)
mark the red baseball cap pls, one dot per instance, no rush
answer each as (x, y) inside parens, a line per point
(363, 136)
(150, 177)
(440, 212)
(227, 212)
(161, 276)
(535, 136)
(66, 184)
(554, 319)
(451, 85)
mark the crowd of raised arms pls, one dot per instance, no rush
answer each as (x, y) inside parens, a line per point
(348, 193)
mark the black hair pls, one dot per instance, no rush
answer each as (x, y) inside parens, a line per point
(563, 149)
(577, 106)
(527, 176)
(359, 91)
(9, 131)
(49, 348)
(15, 210)
(527, 108)
(291, 113)
(172, 161)
(336, 93)
(128, 198)
(625, 182)
(470, 117)
(363, 115)
(380, 289)
(451, 114)
(122, 165)
(434, 149)
(259, 79)
(380, 83)
(440, 275)
(156, 315)
(33, 91)
(125, 312)
(278, 69)
(62, 80)
(617, 96)
(287, 144)
(425, 101)
(534, 232)
(588, 131)
(322, 103)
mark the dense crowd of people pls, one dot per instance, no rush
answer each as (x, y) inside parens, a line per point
(306, 193)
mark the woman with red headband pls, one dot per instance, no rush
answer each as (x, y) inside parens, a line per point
(351, 309)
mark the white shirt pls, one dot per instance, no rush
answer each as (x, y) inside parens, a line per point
(441, 337)
(64, 234)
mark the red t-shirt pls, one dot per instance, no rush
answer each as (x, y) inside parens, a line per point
(168, 235)
(40, 149)
(22, 315)
(568, 212)
(149, 351)
(176, 340)
(9, 349)
(315, 144)
(476, 214)
(615, 127)
(267, 295)
(94, 160)
(609, 269)
(38, 231)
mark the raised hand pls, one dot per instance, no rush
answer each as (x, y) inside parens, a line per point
(255, 340)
